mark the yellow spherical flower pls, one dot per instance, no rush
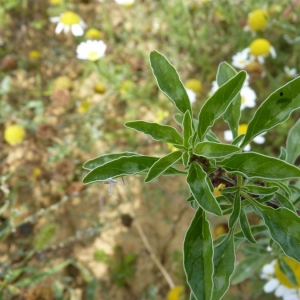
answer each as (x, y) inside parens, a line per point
(14, 134)
(100, 88)
(93, 34)
(258, 19)
(217, 190)
(260, 47)
(194, 84)
(34, 54)
(175, 293)
(55, 2)
(62, 82)
(83, 107)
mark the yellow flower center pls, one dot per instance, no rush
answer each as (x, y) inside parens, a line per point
(242, 129)
(83, 107)
(243, 100)
(55, 2)
(174, 293)
(34, 54)
(257, 19)
(94, 55)
(93, 34)
(14, 134)
(220, 229)
(99, 88)
(217, 190)
(194, 84)
(260, 47)
(69, 18)
(295, 266)
(36, 172)
(126, 87)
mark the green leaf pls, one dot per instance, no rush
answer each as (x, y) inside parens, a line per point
(224, 258)
(198, 255)
(217, 104)
(285, 201)
(284, 227)
(185, 158)
(101, 160)
(163, 164)
(292, 143)
(211, 149)
(236, 210)
(233, 112)
(169, 82)
(200, 187)
(283, 154)
(246, 228)
(288, 271)
(252, 164)
(157, 131)
(260, 190)
(120, 167)
(187, 129)
(275, 110)
(246, 268)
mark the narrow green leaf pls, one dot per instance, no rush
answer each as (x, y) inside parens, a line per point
(284, 227)
(252, 164)
(288, 271)
(198, 255)
(200, 187)
(101, 160)
(283, 154)
(285, 201)
(211, 149)
(217, 104)
(224, 258)
(163, 164)
(172, 172)
(120, 167)
(187, 129)
(192, 297)
(292, 143)
(233, 112)
(259, 190)
(157, 131)
(236, 210)
(246, 268)
(169, 82)
(274, 110)
(246, 228)
(258, 229)
(185, 158)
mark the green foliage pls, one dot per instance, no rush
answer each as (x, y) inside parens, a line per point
(253, 181)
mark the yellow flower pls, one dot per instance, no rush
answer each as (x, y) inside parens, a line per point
(62, 82)
(69, 18)
(220, 229)
(258, 19)
(217, 190)
(295, 266)
(242, 129)
(100, 88)
(194, 84)
(260, 47)
(55, 2)
(127, 86)
(175, 293)
(34, 54)
(83, 107)
(14, 134)
(93, 34)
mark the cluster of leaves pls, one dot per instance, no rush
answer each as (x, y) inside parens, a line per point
(252, 181)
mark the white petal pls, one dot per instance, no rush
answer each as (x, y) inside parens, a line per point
(273, 52)
(66, 29)
(268, 269)
(59, 28)
(259, 139)
(271, 285)
(54, 19)
(261, 59)
(280, 291)
(228, 135)
(247, 148)
(77, 30)
(192, 95)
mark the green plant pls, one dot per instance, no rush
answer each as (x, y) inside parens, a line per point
(253, 181)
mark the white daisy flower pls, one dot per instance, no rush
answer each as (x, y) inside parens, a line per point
(69, 21)
(91, 50)
(192, 95)
(125, 2)
(242, 59)
(278, 282)
(292, 73)
(242, 129)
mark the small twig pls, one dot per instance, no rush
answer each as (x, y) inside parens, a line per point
(152, 254)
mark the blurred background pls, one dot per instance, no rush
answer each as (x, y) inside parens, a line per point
(62, 105)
